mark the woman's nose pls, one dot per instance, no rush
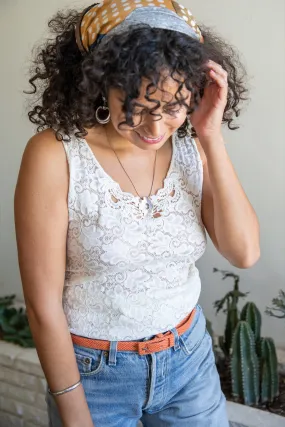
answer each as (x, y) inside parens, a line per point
(153, 127)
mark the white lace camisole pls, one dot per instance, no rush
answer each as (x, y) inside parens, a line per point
(131, 273)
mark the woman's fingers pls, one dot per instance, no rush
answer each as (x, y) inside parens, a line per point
(218, 70)
(219, 78)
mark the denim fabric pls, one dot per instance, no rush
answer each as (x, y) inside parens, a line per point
(179, 386)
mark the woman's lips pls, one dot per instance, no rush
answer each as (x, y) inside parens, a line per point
(149, 140)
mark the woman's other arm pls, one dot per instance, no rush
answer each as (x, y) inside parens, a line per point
(227, 213)
(41, 219)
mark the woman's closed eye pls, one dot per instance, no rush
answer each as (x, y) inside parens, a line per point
(174, 109)
(140, 112)
(171, 110)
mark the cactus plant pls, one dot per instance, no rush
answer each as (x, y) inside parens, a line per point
(252, 359)
(279, 309)
(252, 316)
(230, 300)
(268, 370)
(225, 341)
(245, 365)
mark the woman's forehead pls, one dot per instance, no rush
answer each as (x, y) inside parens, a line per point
(165, 90)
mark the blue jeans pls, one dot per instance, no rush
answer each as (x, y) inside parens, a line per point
(179, 386)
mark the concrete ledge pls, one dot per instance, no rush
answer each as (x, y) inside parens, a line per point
(244, 416)
(236, 425)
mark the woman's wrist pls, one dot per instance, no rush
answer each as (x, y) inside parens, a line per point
(212, 145)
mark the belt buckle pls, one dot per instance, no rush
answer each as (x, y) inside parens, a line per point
(153, 346)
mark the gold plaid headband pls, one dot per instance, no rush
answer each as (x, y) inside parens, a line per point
(114, 16)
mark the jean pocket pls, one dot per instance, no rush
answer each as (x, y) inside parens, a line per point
(89, 361)
(193, 337)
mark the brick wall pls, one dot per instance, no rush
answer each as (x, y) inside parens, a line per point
(22, 388)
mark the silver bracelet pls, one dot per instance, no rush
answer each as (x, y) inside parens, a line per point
(66, 390)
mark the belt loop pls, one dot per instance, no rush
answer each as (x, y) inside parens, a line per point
(113, 353)
(176, 339)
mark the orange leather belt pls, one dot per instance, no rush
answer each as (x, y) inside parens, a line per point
(158, 343)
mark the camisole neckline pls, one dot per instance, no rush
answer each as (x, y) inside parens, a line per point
(117, 185)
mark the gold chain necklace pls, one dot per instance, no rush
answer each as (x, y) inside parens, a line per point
(145, 202)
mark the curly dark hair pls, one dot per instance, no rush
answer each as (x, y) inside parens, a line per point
(70, 86)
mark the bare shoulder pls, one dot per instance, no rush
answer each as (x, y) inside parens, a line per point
(44, 157)
(44, 169)
(44, 147)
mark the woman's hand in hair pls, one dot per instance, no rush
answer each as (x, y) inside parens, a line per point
(207, 118)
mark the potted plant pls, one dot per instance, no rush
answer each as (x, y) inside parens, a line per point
(278, 310)
(247, 363)
(14, 325)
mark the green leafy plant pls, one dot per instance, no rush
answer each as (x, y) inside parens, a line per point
(14, 325)
(279, 306)
(252, 359)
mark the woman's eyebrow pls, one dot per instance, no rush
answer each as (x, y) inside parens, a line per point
(135, 103)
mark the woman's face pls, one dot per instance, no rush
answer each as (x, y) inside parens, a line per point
(150, 132)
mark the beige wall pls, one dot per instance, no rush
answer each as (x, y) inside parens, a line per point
(257, 149)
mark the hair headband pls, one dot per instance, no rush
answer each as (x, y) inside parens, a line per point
(109, 17)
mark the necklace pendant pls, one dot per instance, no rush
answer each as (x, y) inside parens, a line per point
(149, 204)
(146, 204)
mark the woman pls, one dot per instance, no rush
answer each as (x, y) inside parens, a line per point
(111, 221)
